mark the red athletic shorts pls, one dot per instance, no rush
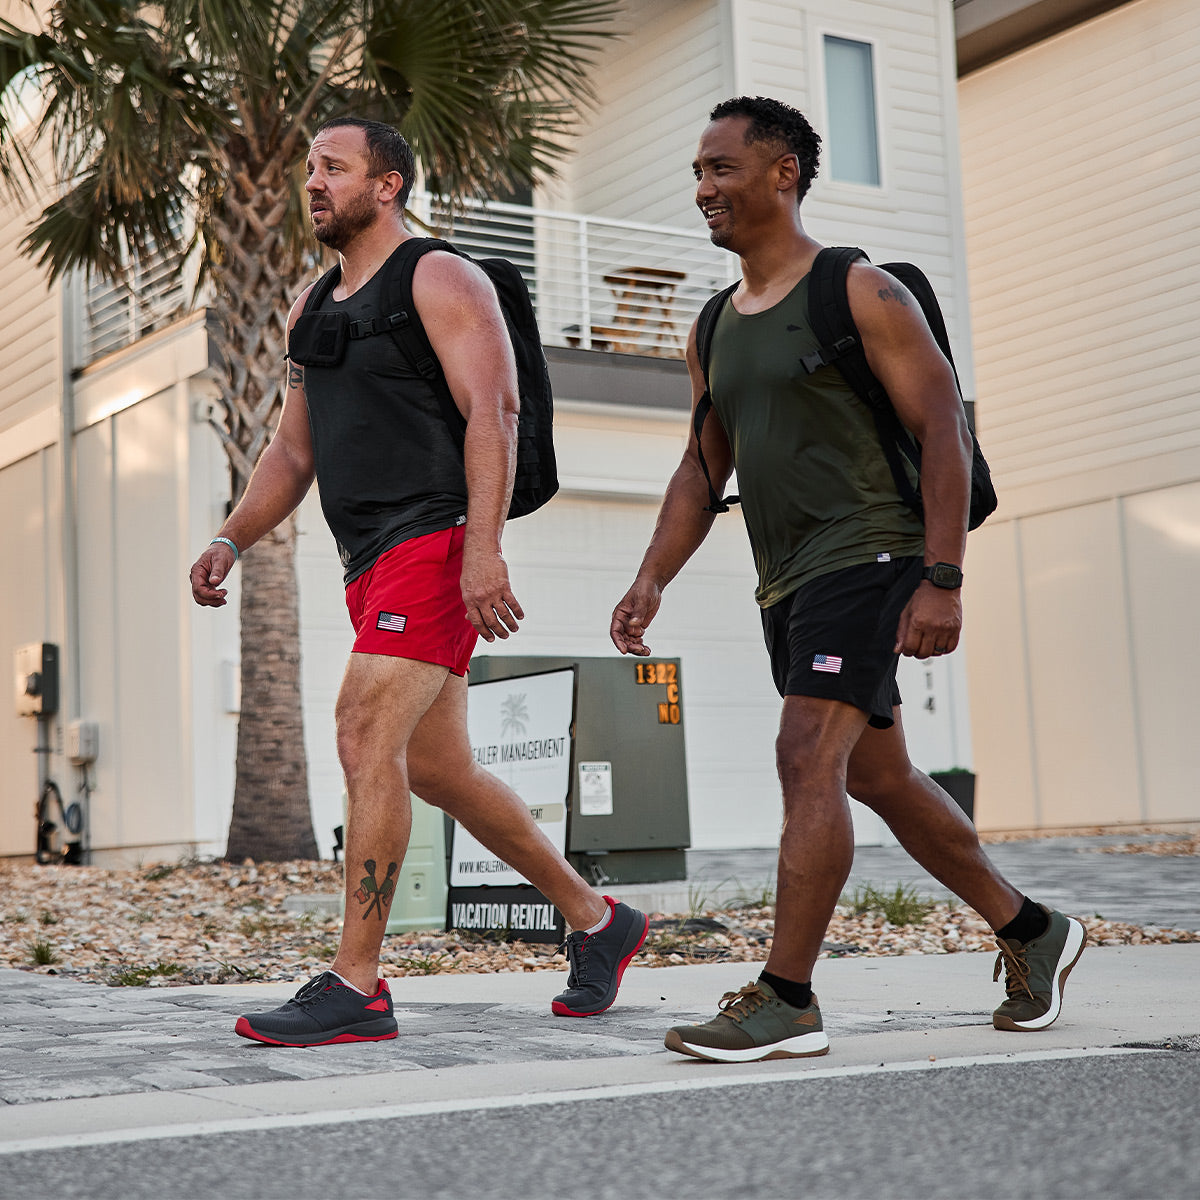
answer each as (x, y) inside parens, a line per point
(409, 603)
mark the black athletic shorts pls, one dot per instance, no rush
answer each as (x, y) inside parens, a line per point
(835, 636)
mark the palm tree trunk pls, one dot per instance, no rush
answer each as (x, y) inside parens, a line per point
(271, 815)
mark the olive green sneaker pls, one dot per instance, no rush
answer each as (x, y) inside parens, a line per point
(1036, 972)
(753, 1024)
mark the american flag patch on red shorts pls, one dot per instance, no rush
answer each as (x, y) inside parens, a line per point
(391, 622)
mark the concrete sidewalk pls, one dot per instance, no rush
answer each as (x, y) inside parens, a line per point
(171, 1060)
(68, 1049)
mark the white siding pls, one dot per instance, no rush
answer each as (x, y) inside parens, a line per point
(30, 611)
(655, 86)
(31, 349)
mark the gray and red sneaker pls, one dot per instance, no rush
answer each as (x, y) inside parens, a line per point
(598, 960)
(324, 1012)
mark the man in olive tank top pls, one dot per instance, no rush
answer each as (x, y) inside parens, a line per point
(848, 579)
(418, 524)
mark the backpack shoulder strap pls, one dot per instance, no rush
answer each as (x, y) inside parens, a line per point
(840, 344)
(404, 322)
(829, 305)
(706, 324)
(324, 285)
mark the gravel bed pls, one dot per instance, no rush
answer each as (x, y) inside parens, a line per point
(217, 922)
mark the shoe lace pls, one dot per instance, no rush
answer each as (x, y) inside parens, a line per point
(740, 1004)
(577, 955)
(1016, 978)
(312, 989)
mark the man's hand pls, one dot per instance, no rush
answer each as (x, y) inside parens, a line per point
(208, 571)
(631, 617)
(491, 606)
(930, 623)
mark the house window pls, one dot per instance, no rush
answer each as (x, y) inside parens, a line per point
(850, 99)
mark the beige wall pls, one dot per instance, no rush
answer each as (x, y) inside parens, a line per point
(1081, 168)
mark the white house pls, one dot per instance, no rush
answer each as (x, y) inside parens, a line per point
(111, 480)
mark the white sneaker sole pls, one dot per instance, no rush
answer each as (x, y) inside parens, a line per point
(808, 1045)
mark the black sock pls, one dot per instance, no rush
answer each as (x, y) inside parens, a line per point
(798, 995)
(1031, 922)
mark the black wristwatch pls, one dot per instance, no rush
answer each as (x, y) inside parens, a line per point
(944, 575)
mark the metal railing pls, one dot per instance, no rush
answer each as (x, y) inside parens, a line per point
(158, 292)
(597, 284)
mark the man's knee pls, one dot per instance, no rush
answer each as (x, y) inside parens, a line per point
(360, 741)
(805, 767)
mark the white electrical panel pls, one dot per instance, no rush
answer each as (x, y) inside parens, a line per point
(83, 742)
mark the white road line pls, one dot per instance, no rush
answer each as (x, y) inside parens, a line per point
(721, 1077)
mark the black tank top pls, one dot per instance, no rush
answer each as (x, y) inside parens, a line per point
(387, 466)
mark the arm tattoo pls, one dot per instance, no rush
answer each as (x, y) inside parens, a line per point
(896, 293)
(295, 376)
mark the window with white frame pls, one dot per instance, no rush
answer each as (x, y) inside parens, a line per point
(850, 102)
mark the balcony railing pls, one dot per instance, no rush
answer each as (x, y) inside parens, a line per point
(597, 284)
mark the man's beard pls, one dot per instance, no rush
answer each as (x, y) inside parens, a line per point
(340, 228)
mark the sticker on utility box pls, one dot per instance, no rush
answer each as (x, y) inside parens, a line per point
(595, 789)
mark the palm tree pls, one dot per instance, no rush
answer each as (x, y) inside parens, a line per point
(196, 115)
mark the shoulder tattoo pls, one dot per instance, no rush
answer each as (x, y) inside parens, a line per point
(893, 293)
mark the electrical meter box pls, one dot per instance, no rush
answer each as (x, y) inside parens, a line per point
(37, 680)
(628, 799)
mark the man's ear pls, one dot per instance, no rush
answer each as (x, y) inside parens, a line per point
(390, 185)
(787, 172)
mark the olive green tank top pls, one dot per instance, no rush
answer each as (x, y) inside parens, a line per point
(817, 493)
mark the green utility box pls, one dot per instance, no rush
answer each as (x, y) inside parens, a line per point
(628, 796)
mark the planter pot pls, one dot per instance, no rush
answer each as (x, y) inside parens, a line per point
(961, 787)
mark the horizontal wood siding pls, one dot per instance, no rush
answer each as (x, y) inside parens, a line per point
(632, 158)
(30, 371)
(1081, 173)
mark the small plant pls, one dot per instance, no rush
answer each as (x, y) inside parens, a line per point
(699, 900)
(140, 976)
(426, 964)
(19, 917)
(48, 918)
(253, 927)
(143, 916)
(903, 906)
(161, 871)
(761, 897)
(42, 953)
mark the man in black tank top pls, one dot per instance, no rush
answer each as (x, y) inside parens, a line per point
(848, 580)
(418, 526)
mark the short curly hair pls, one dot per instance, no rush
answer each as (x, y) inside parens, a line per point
(779, 125)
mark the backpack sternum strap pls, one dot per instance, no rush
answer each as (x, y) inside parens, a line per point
(373, 325)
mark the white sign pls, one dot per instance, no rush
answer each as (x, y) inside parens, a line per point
(595, 789)
(520, 730)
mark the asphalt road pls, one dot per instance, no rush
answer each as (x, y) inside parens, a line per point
(1119, 1125)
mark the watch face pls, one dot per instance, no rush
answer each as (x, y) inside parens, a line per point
(944, 575)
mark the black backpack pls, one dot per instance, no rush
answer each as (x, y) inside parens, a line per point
(318, 345)
(840, 344)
